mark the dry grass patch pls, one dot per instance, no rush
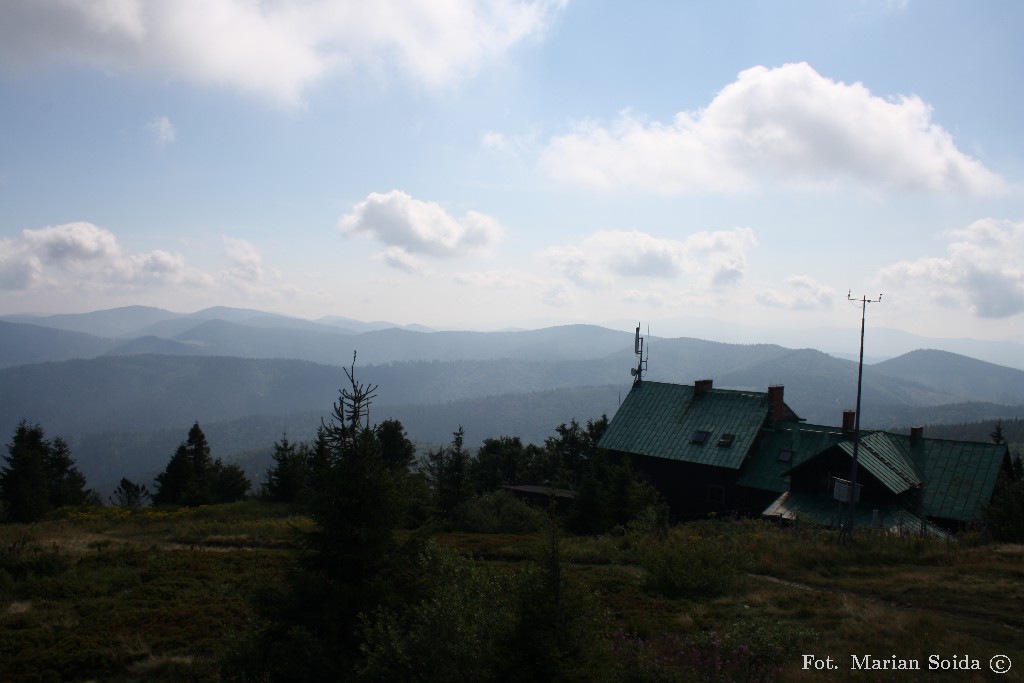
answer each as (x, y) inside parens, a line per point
(19, 607)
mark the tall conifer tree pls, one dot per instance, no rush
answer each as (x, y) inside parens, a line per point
(39, 475)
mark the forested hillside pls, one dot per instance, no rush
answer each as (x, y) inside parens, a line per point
(123, 400)
(1012, 430)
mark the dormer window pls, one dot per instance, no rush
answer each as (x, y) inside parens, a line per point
(699, 437)
(726, 440)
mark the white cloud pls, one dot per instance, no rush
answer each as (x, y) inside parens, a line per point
(802, 293)
(981, 270)
(657, 298)
(398, 258)
(515, 146)
(273, 48)
(159, 267)
(558, 294)
(163, 129)
(82, 254)
(504, 279)
(71, 243)
(411, 226)
(245, 259)
(495, 141)
(716, 258)
(788, 126)
(18, 270)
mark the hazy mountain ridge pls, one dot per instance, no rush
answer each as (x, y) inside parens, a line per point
(138, 321)
(961, 375)
(141, 391)
(114, 322)
(250, 336)
(144, 392)
(461, 365)
(24, 343)
(882, 343)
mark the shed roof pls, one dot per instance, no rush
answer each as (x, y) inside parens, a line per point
(663, 420)
(826, 511)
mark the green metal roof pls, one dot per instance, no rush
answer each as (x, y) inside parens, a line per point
(955, 479)
(767, 471)
(819, 509)
(946, 479)
(959, 476)
(880, 454)
(660, 420)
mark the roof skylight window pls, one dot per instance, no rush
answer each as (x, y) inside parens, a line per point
(700, 436)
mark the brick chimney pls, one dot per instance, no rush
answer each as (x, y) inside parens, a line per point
(916, 434)
(702, 386)
(778, 407)
(849, 421)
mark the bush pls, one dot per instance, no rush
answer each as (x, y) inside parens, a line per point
(695, 561)
(498, 513)
(455, 633)
(33, 562)
(749, 650)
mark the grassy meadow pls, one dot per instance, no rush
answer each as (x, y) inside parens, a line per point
(155, 595)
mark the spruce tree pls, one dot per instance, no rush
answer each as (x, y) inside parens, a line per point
(175, 480)
(24, 482)
(996, 435)
(66, 483)
(352, 562)
(193, 477)
(395, 447)
(39, 476)
(448, 471)
(287, 480)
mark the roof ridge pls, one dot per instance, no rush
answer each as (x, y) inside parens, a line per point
(895, 468)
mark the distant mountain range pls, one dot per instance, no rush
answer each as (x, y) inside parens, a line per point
(881, 342)
(123, 386)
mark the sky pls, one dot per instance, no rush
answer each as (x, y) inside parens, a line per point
(519, 163)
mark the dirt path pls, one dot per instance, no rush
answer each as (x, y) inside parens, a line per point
(872, 599)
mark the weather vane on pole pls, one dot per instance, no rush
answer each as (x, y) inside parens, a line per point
(864, 301)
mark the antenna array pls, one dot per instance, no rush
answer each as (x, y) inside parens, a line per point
(641, 362)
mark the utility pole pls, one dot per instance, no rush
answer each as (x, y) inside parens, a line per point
(864, 301)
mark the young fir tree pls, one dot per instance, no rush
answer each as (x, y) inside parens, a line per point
(996, 435)
(130, 495)
(288, 479)
(448, 471)
(352, 562)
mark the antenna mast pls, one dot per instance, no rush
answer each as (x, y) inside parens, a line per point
(641, 362)
(864, 301)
